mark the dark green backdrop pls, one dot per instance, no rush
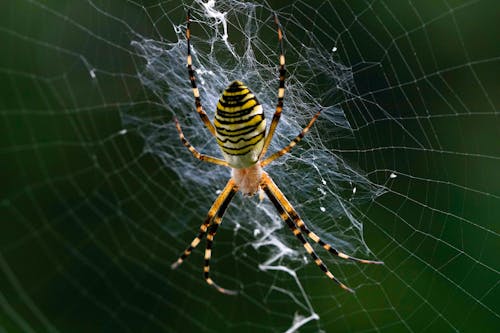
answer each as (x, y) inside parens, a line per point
(82, 244)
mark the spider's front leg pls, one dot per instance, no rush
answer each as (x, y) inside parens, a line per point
(192, 79)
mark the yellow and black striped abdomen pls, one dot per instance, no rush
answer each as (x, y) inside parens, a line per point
(240, 126)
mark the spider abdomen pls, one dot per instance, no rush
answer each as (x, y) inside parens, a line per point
(240, 126)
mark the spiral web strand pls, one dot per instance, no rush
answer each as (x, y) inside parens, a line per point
(99, 196)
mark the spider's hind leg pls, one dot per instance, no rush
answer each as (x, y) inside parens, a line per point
(298, 227)
(210, 238)
(208, 254)
(301, 224)
(226, 195)
(277, 198)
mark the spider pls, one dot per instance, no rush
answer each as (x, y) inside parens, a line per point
(240, 130)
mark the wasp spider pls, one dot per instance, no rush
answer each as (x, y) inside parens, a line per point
(240, 130)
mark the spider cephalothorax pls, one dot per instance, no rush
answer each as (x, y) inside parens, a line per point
(240, 130)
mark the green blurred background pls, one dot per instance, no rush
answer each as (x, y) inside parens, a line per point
(83, 208)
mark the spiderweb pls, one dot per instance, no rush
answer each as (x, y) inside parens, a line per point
(99, 196)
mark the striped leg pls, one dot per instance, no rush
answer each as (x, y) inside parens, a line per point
(300, 223)
(221, 201)
(281, 92)
(193, 150)
(292, 144)
(210, 239)
(192, 78)
(276, 197)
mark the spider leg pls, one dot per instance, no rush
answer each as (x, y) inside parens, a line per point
(210, 238)
(193, 150)
(301, 224)
(192, 78)
(293, 143)
(281, 91)
(279, 200)
(225, 196)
